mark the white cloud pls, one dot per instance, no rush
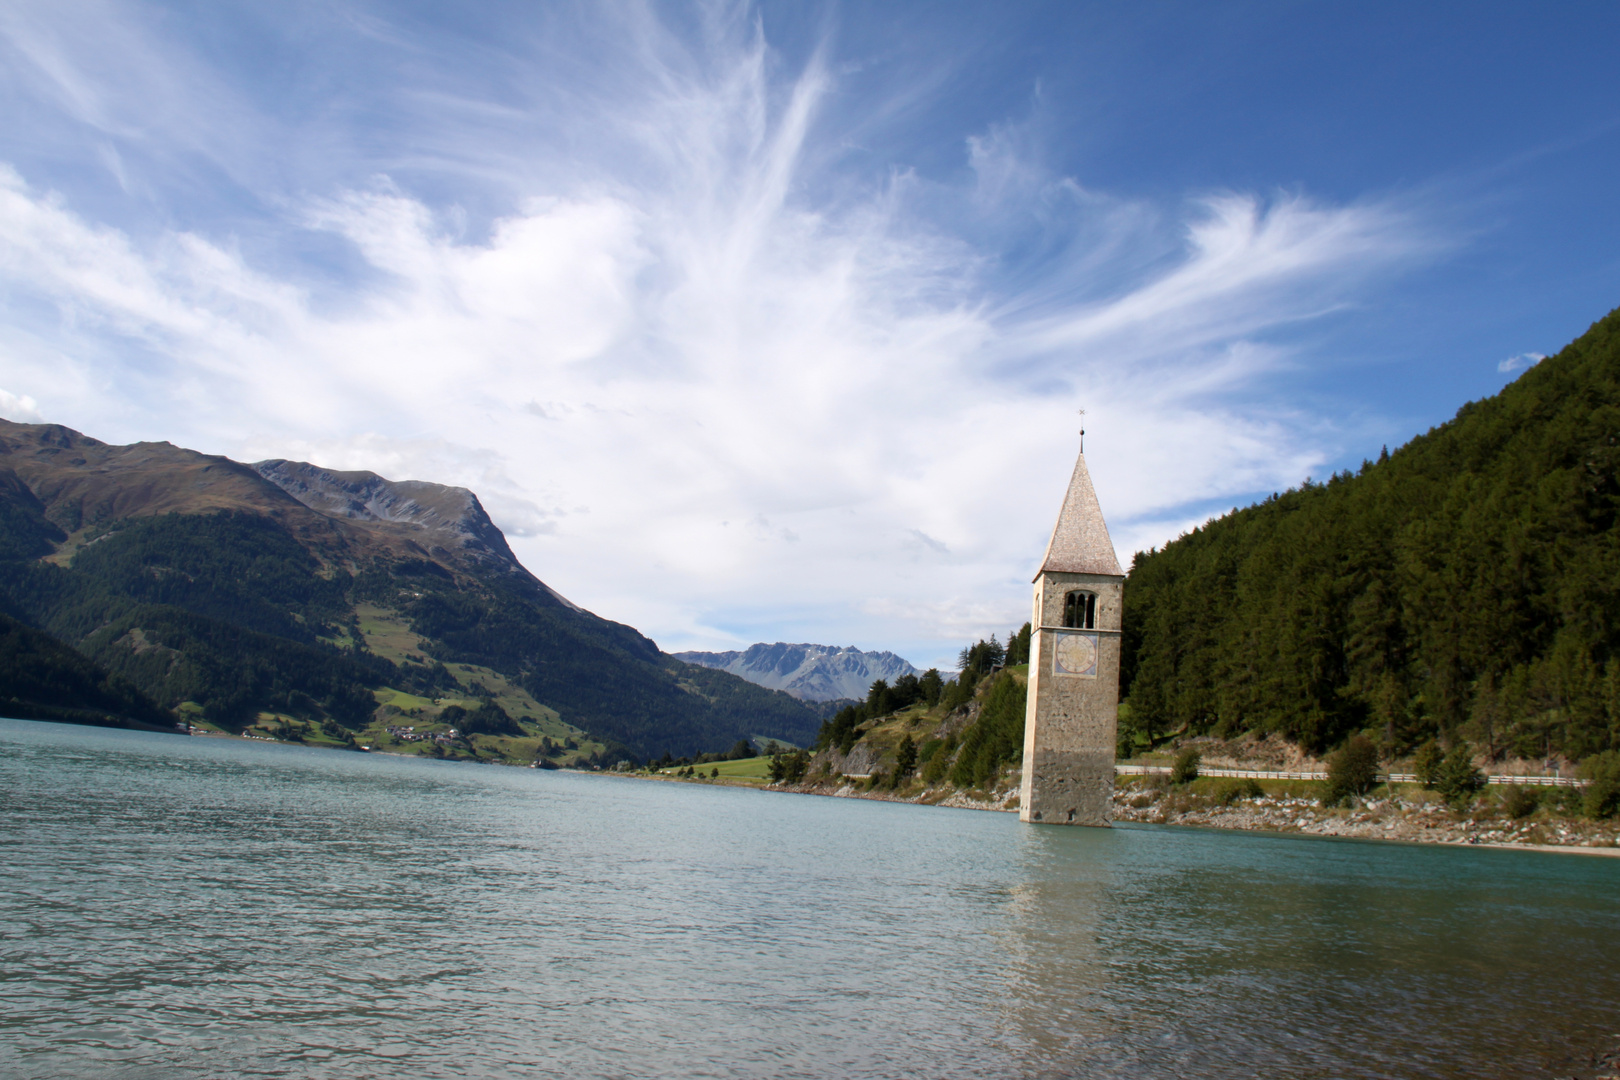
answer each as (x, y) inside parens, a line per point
(1520, 362)
(1248, 266)
(19, 409)
(689, 390)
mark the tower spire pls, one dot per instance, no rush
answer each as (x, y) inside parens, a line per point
(1080, 543)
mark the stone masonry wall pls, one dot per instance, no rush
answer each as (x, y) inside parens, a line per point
(1071, 720)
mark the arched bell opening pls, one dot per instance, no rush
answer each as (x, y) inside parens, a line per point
(1080, 611)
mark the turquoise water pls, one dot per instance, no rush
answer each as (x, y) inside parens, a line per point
(180, 907)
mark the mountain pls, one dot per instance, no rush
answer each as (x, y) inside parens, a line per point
(429, 517)
(1466, 586)
(244, 593)
(810, 672)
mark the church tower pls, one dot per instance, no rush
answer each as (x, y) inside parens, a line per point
(1069, 726)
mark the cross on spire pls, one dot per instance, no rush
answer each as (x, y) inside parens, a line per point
(1082, 431)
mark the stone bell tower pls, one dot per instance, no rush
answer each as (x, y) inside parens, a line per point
(1069, 726)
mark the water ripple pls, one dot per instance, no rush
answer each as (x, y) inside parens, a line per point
(200, 908)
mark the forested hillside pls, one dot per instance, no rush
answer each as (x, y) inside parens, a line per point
(1465, 586)
(924, 733)
(42, 679)
(331, 603)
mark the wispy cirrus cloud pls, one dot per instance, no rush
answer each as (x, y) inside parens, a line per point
(691, 358)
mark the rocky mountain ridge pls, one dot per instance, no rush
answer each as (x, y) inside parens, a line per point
(75, 486)
(809, 672)
(435, 517)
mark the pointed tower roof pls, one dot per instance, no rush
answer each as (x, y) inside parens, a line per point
(1080, 543)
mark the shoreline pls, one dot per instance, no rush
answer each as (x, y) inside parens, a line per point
(1410, 823)
(1390, 820)
(1405, 813)
(1610, 851)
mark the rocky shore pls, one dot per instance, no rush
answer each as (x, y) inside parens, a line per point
(1407, 815)
(1004, 797)
(1411, 814)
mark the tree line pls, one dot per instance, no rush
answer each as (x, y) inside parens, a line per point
(971, 757)
(1464, 587)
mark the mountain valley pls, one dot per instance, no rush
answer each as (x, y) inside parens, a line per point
(306, 603)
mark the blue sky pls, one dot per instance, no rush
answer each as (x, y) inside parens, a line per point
(769, 322)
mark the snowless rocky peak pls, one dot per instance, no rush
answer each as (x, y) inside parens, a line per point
(449, 517)
(808, 672)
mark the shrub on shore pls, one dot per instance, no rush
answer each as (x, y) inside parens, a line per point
(905, 760)
(789, 767)
(1228, 792)
(1457, 780)
(1185, 769)
(1426, 764)
(1519, 801)
(1352, 769)
(1603, 789)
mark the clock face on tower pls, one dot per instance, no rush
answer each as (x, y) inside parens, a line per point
(1075, 654)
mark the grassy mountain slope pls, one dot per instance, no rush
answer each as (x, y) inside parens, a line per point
(1466, 586)
(214, 589)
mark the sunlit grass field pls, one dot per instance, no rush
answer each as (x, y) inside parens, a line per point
(754, 770)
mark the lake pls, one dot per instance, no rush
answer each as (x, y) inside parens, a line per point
(194, 907)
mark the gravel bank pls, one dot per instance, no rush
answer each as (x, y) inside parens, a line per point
(1408, 818)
